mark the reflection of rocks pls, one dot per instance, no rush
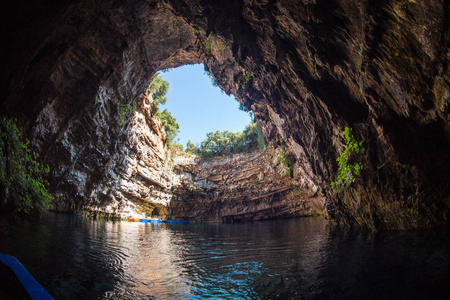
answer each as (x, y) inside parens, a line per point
(378, 67)
(242, 187)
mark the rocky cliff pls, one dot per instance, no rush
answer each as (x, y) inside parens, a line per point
(307, 69)
(114, 162)
(241, 187)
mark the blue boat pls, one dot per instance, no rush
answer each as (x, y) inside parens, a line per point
(176, 222)
(152, 221)
(19, 284)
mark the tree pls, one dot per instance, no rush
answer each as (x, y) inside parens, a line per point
(22, 186)
(191, 148)
(244, 108)
(159, 88)
(226, 143)
(171, 127)
(254, 138)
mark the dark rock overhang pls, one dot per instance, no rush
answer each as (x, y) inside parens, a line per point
(313, 67)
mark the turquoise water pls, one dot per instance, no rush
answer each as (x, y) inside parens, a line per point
(307, 258)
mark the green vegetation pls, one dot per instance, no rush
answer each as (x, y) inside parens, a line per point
(285, 158)
(348, 171)
(246, 80)
(191, 148)
(225, 143)
(159, 88)
(171, 127)
(213, 81)
(243, 108)
(22, 186)
(124, 111)
(209, 42)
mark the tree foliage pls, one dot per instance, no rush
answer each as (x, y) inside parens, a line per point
(225, 142)
(191, 148)
(22, 186)
(159, 88)
(171, 127)
(348, 171)
(244, 108)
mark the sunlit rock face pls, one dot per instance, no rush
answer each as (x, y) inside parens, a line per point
(239, 188)
(93, 63)
(306, 68)
(113, 161)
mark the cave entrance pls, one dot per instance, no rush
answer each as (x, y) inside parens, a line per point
(199, 105)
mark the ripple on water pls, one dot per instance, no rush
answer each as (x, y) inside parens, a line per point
(75, 258)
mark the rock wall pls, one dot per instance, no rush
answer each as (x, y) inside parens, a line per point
(306, 69)
(82, 96)
(315, 67)
(111, 160)
(241, 187)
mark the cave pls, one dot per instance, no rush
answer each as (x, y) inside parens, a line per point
(307, 69)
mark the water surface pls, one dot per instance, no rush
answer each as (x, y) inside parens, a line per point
(78, 258)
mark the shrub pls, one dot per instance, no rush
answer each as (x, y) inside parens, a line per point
(246, 80)
(285, 158)
(124, 111)
(348, 171)
(22, 186)
(209, 42)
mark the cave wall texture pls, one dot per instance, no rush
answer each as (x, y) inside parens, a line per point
(314, 67)
(239, 188)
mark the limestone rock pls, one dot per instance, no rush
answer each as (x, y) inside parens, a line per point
(306, 68)
(241, 187)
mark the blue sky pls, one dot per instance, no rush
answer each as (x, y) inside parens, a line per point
(198, 106)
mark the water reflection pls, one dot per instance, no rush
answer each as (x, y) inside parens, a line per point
(77, 258)
(389, 265)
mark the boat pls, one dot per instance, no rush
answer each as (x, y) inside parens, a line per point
(17, 282)
(152, 221)
(176, 222)
(133, 220)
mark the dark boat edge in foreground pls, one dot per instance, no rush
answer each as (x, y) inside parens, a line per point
(20, 283)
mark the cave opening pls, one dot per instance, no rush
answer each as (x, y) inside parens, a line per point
(72, 72)
(76, 75)
(200, 106)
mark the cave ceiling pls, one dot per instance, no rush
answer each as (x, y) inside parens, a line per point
(310, 68)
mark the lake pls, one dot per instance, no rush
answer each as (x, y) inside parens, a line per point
(307, 258)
